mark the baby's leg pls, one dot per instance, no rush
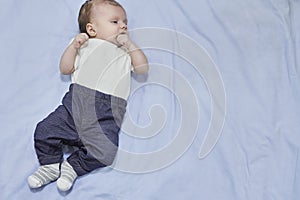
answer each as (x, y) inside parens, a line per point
(99, 151)
(50, 134)
(99, 131)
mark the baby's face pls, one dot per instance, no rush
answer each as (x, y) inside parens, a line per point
(108, 22)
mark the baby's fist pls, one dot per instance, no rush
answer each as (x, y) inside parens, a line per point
(79, 40)
(123, 40)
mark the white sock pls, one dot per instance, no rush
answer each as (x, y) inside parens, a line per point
(44, 175)
(67, 177)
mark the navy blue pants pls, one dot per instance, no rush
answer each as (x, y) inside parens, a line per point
(87, 119)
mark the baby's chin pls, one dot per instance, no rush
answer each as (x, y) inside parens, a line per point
(114, 41)
(111, 40)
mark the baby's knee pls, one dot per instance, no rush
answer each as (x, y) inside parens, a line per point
(40, 132)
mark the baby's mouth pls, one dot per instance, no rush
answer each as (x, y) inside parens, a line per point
(122, 33)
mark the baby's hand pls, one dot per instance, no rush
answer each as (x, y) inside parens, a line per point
(79, 40)
(124, 40)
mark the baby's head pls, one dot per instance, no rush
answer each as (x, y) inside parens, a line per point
(102, 19)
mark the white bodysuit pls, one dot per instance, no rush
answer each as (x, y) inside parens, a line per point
(102, 66)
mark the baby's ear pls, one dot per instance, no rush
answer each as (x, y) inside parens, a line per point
(90, 30)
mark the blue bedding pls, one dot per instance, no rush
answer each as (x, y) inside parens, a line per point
(217, 116)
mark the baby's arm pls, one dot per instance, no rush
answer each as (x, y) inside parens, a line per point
(138, 59)
(67, 60)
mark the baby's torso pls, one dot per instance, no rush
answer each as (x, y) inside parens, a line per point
(104, 67)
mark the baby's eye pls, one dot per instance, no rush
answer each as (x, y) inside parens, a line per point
(114, 21)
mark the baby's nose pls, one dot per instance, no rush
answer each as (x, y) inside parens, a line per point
(124, 26)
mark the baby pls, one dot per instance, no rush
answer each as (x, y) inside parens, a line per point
(100, 60)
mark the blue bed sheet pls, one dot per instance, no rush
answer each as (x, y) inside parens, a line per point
(217, 116)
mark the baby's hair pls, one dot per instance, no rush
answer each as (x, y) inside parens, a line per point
(84, 16)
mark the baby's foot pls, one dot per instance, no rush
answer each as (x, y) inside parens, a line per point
(44, 175)
(67, 177)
